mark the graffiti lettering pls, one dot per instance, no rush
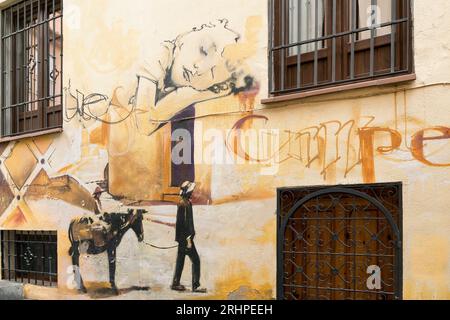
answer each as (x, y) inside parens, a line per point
(367, 137)
(332, 142)
(419, 139)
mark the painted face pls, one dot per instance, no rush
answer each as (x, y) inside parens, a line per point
(198, 60)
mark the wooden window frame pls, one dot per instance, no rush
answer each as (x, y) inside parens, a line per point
(24, 115)
(392, 56)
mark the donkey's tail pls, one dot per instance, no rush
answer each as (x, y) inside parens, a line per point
(71, 238)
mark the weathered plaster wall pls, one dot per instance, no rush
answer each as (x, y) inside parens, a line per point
(107, 44)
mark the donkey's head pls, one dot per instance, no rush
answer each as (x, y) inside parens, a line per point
(136, 224)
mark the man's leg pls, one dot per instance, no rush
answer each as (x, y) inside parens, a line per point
(181, 255)
(195, 258)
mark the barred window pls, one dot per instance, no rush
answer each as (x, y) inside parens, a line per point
(29, 257)
(31, 67)
(320, 43)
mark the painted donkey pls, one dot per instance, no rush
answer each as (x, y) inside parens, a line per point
(100, 235)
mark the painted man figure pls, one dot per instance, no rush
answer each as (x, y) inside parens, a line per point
(98, 203)
(185, 233)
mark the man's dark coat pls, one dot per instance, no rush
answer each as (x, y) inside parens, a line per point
(185, 222)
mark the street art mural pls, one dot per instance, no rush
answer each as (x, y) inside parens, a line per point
(186, 140)
(201, 65)
(198, 66)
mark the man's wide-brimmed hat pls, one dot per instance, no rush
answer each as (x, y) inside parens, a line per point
(187, 187)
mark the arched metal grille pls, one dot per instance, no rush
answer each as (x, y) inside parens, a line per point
(340, 243)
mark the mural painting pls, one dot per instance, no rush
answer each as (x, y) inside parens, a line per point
(201, 65)
(178, 143)
(197, 68)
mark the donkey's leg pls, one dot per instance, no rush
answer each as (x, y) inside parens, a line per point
(76, 266)
(112, 268)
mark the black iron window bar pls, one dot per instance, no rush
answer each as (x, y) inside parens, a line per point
(279, 44)
(31, 61)
(29, 257)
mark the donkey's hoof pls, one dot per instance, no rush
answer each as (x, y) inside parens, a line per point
(82, 290)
